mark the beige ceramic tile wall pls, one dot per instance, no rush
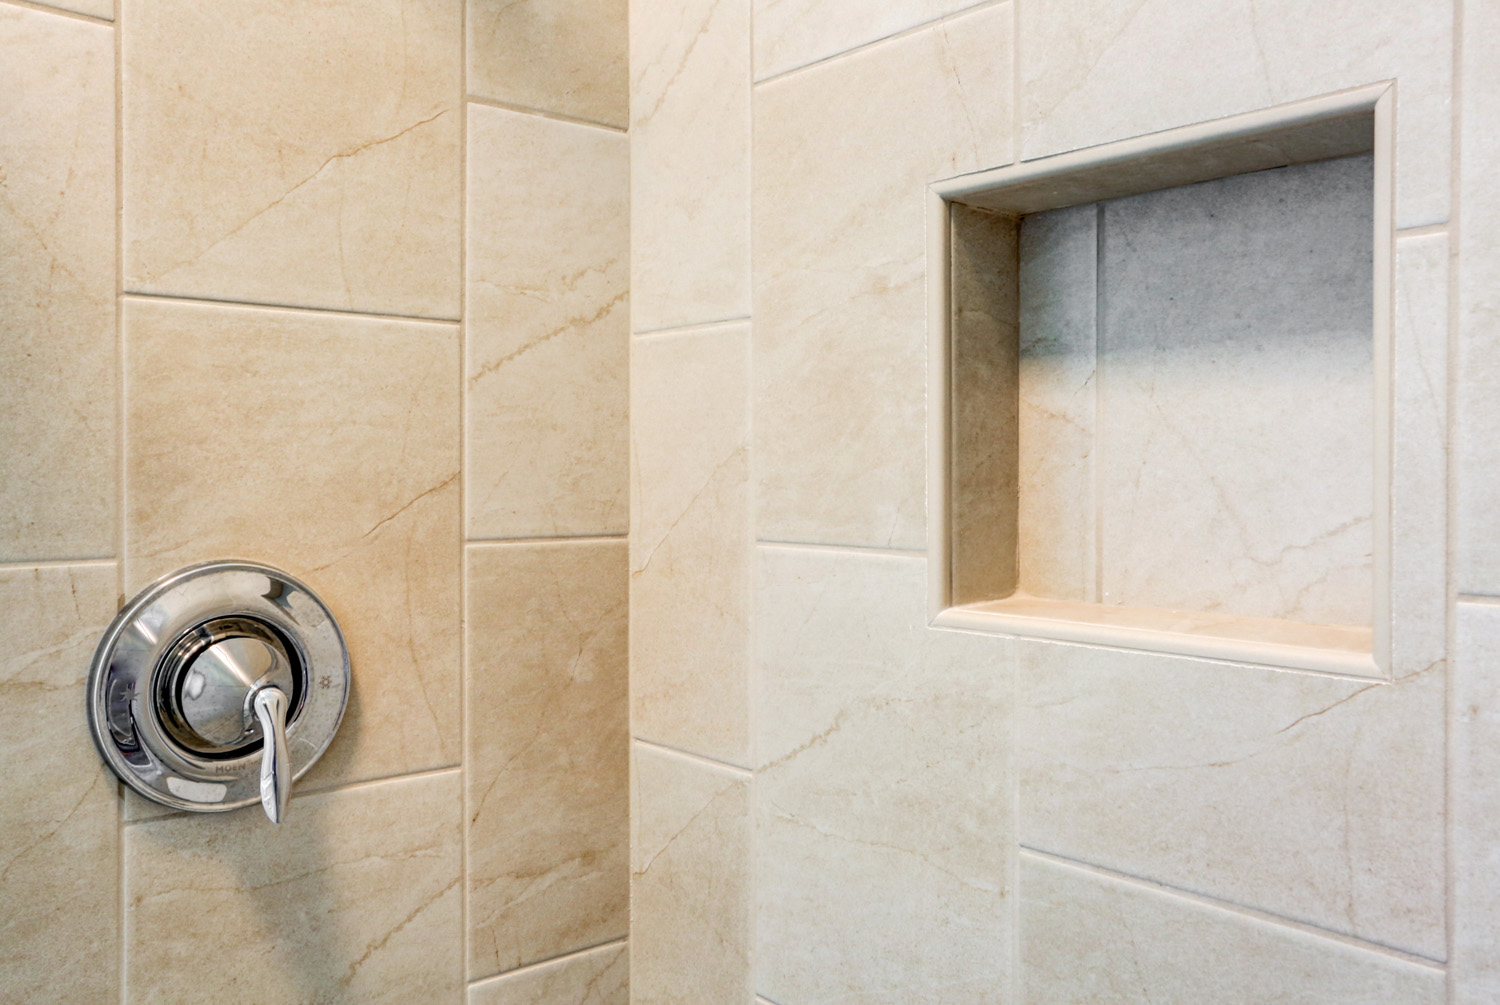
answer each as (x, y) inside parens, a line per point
(311, 156)
(547, 751)
(57, 305)
(1219, 770)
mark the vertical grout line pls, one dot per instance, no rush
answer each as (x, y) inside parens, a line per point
(119, 500)
(750, 532)
(463, 499)
(1015, 81)
(1454, 347)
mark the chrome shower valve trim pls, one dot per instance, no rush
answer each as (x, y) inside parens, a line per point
(217, 686)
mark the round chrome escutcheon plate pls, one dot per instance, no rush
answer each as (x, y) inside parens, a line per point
(142, 718)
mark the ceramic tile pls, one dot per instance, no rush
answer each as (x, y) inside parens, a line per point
(1477, 430)
(1095, 71)
(597, 977)
(327, 446)
(562, 57)
(690, 156)
(354, 897)
(1096, 938)
(982, 379)
(884, 823)
(690, 880)
(547, 752)
(57, 304)
(59, 882)
(793, 33)
(1058, 391)
(1475, 804)
(843, 154)
(1419, 455)
(547, 327)
(293, 153)
(691, 549)
(1311, 797)
(1235, 409)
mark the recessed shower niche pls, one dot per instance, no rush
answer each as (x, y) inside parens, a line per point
(1165, 383)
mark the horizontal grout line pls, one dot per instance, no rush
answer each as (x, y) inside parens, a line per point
(904, 32)
(688, 329)
(250, 305)
(1423, 231)
(853, 549)
(570, 954)
(1486, 599)
(54, 563)
(542, 113)
(47, 9)
(1233, 908)
(298, 793)
(501, 542)
(688, 755)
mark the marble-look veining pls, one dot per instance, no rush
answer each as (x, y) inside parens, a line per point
(793, 33)
(566, 58)
(546, 756)
(1477, 430)
(354, 897)
(1308, 796)
(327, 446)
(59, 876)
(57, 309)
(1096, 70)
(293, 153)
(1475, 766)
(690, 541)
(884, 792)
(597, 977)
(1092, 937)
(1419, 454)
(843, 153)
(547, 327)
(690, 151)
(1235, 437)
(690, 880)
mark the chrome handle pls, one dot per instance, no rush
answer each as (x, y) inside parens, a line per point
(270, 705)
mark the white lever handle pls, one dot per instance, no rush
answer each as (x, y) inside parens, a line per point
(275, 765)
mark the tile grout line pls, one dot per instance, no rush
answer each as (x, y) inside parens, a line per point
(1229, 907)
(701, 759)
(120, 501)
(169, 298)
(1454, 231)
(692, 326)
(514, 542)
(336, 789)
(747, 534)
(853, 549)
(549, 961)
(542, 113)
(894, 36)
(463, 501)
(55, 563)
(42, 8)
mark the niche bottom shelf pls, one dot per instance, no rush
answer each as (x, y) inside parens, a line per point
(1272, 642)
